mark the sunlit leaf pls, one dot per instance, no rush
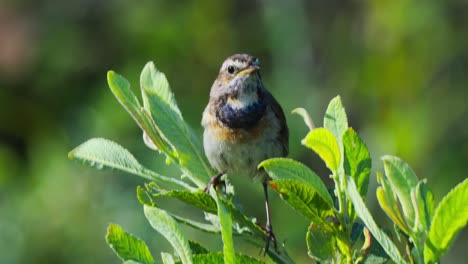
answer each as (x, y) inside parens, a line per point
(101, 153)
(283, 169)
(162, 222)
(127, 246)
(335, 120)
(305, 200)
(390, 207)
(225, 220)
(325, 145)
(160, 103)
(450, 217)
(320, 243)
(366, 217)
(402, 179)
(388, 201)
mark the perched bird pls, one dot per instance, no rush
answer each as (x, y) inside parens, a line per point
(243, 125)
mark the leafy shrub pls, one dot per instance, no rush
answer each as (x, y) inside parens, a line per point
(341, 230)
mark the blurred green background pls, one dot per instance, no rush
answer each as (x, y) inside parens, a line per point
(400, 66)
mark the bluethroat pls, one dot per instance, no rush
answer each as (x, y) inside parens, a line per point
(244, 125)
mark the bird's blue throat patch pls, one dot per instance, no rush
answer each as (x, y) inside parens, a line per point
(246, 117)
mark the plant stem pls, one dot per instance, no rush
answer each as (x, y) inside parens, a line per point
(343, 218)
(338, 193)
(418, 241)
(342, 208)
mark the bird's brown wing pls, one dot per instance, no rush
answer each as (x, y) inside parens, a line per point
(283, 135)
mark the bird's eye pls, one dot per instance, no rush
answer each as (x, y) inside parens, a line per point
(231, 69)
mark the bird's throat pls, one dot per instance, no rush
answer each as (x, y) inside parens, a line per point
(242, 111)
(242, 101)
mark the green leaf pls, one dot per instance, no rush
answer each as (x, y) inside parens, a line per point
(366, 217)
(425, 204)
(245, 223)
(101, 153)
(284, 169)
(198, 199)
(335, 120)
(225, 220)
(402, 179)
(217, 257)
(159, 118)
(131, 262)
(127, 246)
(281, 257)
(390, 207)
(167, 258)
(325, 145)
(162, 222)
(320, 243)
(120, 87)
(372, 258)
(356, 231)
(357, 161)
(105, 154)
(160, 102)
(305, 200)
(197, 225)
(375, 259)
(155, 81)
(371, 252)
(357, 164)
(450, 217)
(305, 115)
(389, 203)
(197, 248)
(144, 197)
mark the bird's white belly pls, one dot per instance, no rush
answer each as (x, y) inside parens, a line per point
(236, 158)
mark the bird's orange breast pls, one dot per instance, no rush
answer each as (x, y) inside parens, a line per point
(237, 135)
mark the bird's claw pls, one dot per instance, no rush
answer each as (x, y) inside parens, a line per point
(214, 181)
(270, 237)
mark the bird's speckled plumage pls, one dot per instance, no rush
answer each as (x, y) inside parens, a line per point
(243, 122)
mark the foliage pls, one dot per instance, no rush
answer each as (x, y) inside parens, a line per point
(341, 227)
(128, 247)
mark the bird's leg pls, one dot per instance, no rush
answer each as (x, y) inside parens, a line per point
(268, 227)
(214, 181)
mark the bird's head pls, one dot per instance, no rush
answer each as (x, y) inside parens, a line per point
(239, 76)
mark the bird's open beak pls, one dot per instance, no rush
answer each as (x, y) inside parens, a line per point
(248, 71)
